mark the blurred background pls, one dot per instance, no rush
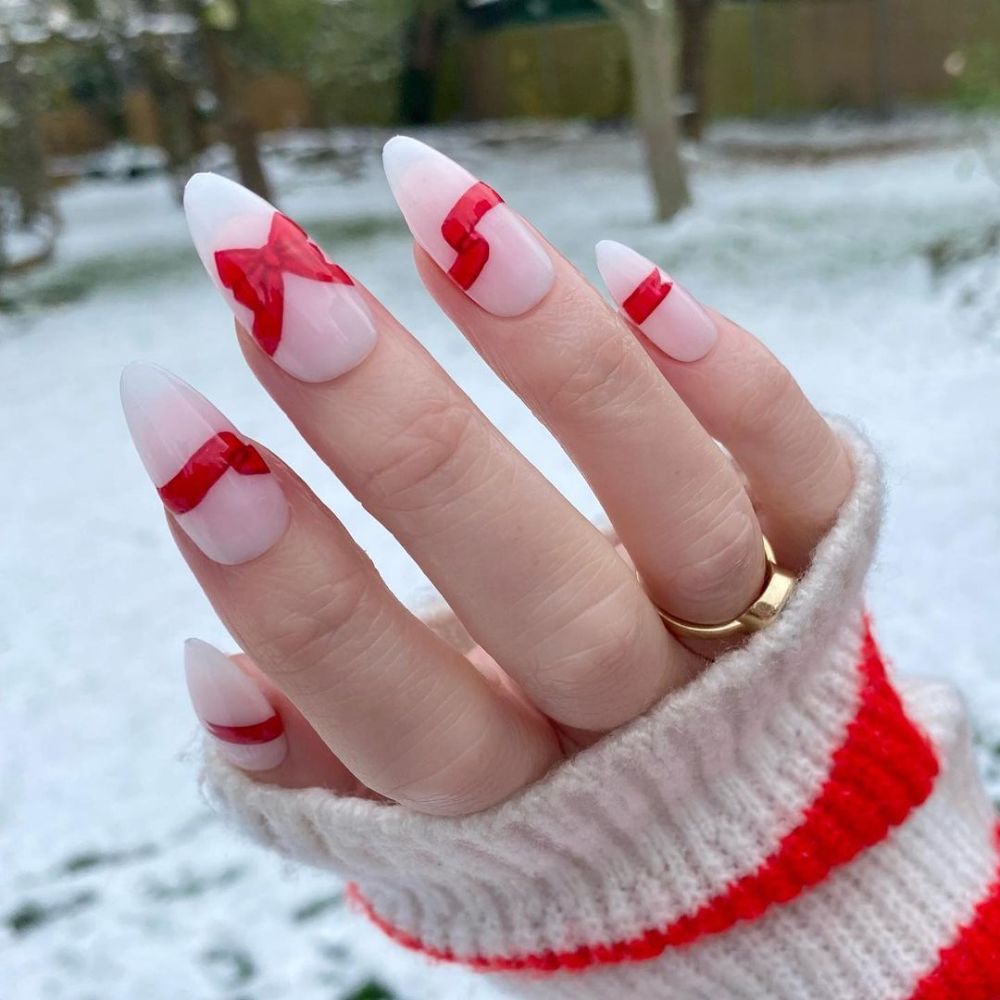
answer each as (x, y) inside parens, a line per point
(827, 172)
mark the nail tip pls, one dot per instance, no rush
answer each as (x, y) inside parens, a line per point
(202, 658)
(139, 375)
(400, 152)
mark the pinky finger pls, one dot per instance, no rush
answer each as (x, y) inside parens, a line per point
(254, 727)
(798, 469)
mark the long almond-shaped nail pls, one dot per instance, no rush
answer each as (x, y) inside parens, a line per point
(485, 248)
(245, 726)
(303, 310)
(217, 486)
(651, 299)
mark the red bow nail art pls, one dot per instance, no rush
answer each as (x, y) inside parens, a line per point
(459, 231)
(255, 275)
(649, 293)
(206, 467)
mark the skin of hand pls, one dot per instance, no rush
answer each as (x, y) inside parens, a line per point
(551, 638)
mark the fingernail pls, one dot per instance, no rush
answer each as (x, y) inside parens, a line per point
(303, 310)
(485, 248)
(651, 299)
(247, 730)
(218, 487)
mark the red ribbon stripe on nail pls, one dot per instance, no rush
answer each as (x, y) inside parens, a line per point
(206, 467)
(648, 294)
(255, 275)
(459, 231)
(259, 732)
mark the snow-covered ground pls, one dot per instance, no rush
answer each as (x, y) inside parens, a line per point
(115, 882)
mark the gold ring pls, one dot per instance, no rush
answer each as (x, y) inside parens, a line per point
(778, 586)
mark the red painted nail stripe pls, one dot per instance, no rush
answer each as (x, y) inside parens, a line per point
(969, 968)
(884, 768)
(255, 275)
(649, 293)
(259, 732)
(206, 467)
(459, 231)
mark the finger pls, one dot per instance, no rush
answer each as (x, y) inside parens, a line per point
(256, 727)
(671, 495)
(531, 580)
(404, 712)
(798, 469)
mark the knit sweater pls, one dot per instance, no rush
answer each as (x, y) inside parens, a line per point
(795, 823)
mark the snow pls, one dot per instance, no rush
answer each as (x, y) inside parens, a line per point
(116, 881)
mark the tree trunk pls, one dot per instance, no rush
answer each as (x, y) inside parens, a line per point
(173, 123)
(649, 30)
(25, 152)
(695, 17)
(237, 126)
(423, 51)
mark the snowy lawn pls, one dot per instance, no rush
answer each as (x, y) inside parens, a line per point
(115, 881)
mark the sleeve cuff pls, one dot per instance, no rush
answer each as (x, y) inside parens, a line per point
(785, 760)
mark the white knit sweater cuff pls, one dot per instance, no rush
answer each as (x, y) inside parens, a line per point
(782, 762)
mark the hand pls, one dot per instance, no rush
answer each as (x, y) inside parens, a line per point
(343, 687)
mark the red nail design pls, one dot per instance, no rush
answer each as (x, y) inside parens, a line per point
(253, 735)
(256, 275)
(304, 311)
(233, 709)
(206, 467)
(459, 230)
(468, 229)
(650, 292)
(218, 487)
(665, 313)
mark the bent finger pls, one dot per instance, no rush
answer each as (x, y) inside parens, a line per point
(797, 467)
(256, 727)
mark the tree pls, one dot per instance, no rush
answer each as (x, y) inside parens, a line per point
(218, 23)
(424, 41)
(695, 17)
(650, 32)
(24, 161)
(171, 100)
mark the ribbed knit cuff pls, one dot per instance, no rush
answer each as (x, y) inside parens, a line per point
(788, 758)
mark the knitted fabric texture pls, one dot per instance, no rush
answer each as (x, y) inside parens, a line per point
(785, 826)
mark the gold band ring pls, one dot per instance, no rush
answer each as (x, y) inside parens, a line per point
(778, 587)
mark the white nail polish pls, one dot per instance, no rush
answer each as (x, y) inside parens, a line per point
(216, 485)
(659, 307)
(247, 730)
(303, 310)
(464, 225)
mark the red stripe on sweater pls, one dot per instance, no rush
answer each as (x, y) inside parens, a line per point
(884, 768)
(969, 968)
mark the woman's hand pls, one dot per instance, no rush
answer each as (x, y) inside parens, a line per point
(345, 688)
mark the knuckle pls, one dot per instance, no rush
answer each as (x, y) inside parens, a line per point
(337, 614)
(722, 565)
(763, 406)
(584, 681)
(430, 459)
(584, 384)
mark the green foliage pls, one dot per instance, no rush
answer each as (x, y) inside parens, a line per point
(350, 53)
(977, 75)
(371, 990)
